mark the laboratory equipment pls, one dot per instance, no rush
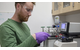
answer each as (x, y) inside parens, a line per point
(57, 20)
(42, 28)
(48, 28)
(70, 28)
(64, 38)
(44, 42)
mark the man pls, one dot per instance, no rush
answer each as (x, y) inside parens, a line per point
(15, 33)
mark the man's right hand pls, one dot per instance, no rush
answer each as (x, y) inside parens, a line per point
(41, 36)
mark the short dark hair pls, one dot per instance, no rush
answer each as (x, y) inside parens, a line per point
(22, 3)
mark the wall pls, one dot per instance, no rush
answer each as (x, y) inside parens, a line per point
(41, 15)
(73, 17)
(7, 7)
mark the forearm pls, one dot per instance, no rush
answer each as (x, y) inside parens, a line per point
(29, 42)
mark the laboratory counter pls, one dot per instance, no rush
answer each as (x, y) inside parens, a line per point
(74, 39)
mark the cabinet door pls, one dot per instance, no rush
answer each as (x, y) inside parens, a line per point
(76, 5)
(66, 7)
(56, 8)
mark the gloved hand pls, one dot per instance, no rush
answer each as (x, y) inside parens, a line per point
(41, 36)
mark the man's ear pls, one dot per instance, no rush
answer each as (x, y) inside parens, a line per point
(18, 6)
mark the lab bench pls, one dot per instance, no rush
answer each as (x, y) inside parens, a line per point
(50, 41)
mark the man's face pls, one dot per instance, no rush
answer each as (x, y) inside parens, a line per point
(25, 12)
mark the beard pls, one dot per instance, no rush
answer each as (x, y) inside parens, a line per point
(22, 17)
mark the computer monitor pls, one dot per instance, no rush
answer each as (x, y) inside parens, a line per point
(64, 28)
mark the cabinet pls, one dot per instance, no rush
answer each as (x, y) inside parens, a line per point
(63, 8)
(66, 7)
(76, 5)
(56, 8)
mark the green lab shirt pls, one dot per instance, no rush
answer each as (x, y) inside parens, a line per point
(15, 34)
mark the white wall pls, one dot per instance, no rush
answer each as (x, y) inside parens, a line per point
(41, 16)
(7, 7)
(73, 17)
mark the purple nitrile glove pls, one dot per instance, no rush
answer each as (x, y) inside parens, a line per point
(41, 36)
